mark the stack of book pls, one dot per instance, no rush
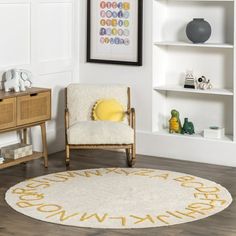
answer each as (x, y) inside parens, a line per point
(16, 151)
(1, 159)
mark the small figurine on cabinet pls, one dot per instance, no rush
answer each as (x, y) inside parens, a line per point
(189, 80)
(203, 83)
(175, 123)
(188, 127)
(17, 80)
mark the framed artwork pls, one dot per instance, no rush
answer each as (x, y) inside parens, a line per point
(115, 31)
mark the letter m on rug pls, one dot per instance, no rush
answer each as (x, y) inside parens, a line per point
(100, 219)
(62, 215)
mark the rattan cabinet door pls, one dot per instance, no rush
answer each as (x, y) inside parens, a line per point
(7, 113)
(33, 108)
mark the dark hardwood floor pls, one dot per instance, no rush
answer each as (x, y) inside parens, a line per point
(13, 223)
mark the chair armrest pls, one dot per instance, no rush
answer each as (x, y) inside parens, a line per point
(132, 117)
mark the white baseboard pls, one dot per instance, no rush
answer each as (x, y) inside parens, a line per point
(7, 143)
(189, 149)
(204, 151)
(8, 139)
(55, 139)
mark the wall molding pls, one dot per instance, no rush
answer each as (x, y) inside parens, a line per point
(187, 149)
(53, 72)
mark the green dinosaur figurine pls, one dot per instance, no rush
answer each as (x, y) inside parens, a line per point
(188, 127)
(175, 123)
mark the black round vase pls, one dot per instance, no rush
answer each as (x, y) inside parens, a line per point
(198, 30)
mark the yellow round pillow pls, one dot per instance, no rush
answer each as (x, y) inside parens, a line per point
(108, 110)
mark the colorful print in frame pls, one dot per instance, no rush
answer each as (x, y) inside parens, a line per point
(114, 31)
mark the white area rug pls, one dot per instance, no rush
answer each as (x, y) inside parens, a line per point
(118, 198)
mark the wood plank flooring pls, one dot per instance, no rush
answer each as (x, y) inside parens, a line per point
(13, 223)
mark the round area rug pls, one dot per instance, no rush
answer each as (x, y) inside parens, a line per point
(118, 198)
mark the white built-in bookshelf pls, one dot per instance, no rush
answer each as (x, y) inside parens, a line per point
(174, 54)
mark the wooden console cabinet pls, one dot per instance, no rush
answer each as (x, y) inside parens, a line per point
(23, 110)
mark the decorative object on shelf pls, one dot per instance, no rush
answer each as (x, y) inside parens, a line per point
(114, 32)
(189, 80)
(16, 151)
(17, 80)
(175, 123)
(214, 132)
(203, 83)
(188, 127)
(198, 30)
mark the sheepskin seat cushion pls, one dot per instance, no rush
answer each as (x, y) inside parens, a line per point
(100, 132)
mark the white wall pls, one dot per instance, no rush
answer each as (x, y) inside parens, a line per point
(40, 35)
(48, 37)
(140, 80)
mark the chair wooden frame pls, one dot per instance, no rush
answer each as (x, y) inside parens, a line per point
(129, 148)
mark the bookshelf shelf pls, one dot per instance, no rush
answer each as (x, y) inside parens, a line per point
(223, 92)
(174, 54)
(203, 45)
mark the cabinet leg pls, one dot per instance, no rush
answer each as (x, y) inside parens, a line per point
(44, 142)
(25, 136)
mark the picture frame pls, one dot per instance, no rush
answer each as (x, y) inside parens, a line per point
(115, 32)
